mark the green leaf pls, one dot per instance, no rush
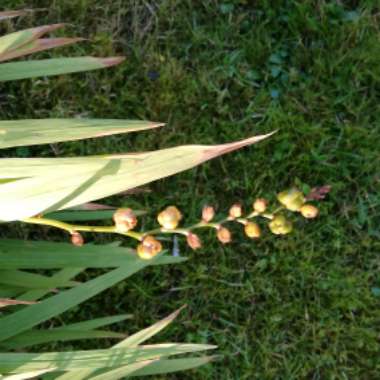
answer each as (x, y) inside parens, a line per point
(85, 179)
(35, 46)
(43, 131)
(143, 335)
(85, 215)
(62, 276)
(132, 341)
(172, 365)
(31, 280)
(95, 323)
(35, 337)
(33, 315)
(22, 362)
(16, 40)
(16, 254)
(27, 375)
(53, 66)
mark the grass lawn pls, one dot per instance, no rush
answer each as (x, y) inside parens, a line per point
(303, 306)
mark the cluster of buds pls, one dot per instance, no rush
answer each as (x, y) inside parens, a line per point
(293, 200)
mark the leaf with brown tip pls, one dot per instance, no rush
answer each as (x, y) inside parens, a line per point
(4, 302)
(38, 45)
(15, 40)
(59, 183)
(54, 66)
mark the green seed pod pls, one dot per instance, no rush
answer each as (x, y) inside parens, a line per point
(292, 199)
(279, 225)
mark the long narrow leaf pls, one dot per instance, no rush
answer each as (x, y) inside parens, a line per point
(132, 341)
(14, 41)
(85, 179)
(33, 315)
(31, 280)
(18, 363)
(35, 337)
(94, 323)
(163, 366)
(53, 66)
(15, 254)
(43, 131)
(35, 46)
(62, 276)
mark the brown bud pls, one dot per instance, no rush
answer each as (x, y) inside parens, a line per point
(252, 230)
(125, 219)
(149, 248)
(208, 213)
(309, 211)
(169, 218)
(224, 235)
(77, 239)
(260, 205)
(292, 199)
(279, 225)
(236, 210)
(193, 241)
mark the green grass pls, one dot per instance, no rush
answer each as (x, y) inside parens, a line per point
(304, 306)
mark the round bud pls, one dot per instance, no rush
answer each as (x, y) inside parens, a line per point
(77, 239)
(193, 241)
(224, 235)
(252, 230)
(279, 225)
(125, 219)
(260, 205)
(236, 211)
(169, 218)
(292, 199)
(208, 213)
(309, 211)
(149, 248)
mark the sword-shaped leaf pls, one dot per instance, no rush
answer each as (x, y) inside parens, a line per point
(14, 41)
(54, 66)
(36, 46)
(41, 188)
(18, 254)
(43, 131)
(22, 362)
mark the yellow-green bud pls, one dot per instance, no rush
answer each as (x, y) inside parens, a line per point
(125, 219)
(236, 210)
(260, 205)
(279, 225)
(252, 230)
(149, 248)
(193, 241)
(169, 218)
(309, 211)
(224, 235)
(292, 199)
(208, 213)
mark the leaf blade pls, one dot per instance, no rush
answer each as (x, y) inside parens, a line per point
(54, 66)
